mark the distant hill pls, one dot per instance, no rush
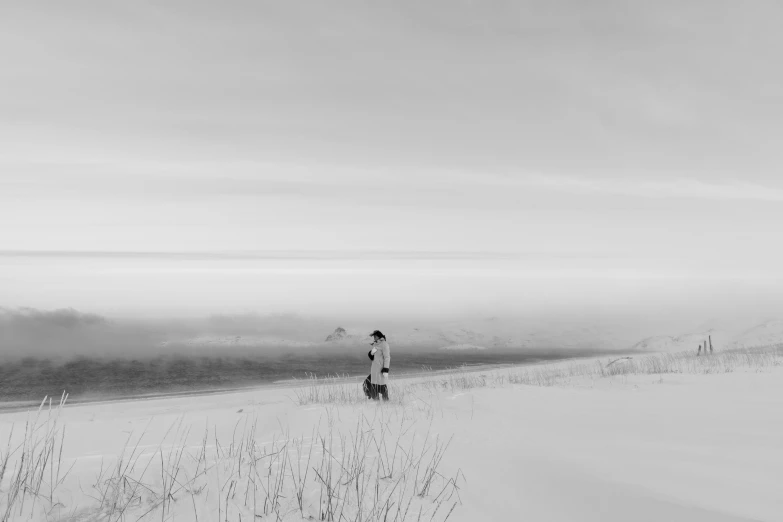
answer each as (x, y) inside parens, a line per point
(343, 336)
(488, 334)
(685, 342)
(463, 347)
(236, 341)
(767, 333)
(479, 334)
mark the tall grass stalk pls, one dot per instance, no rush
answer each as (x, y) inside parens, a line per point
(377, 471)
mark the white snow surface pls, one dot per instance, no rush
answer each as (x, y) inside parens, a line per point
(677, 448)
(765, 334)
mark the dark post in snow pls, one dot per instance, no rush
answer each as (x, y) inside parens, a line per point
(699, 352)
(710, 343)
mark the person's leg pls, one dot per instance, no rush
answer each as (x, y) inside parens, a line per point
(384, 392)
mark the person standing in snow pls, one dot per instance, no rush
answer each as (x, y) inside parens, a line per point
(376, 384)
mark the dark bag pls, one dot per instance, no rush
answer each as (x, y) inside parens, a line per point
(367, 387)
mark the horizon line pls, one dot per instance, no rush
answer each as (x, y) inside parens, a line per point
(303, 254)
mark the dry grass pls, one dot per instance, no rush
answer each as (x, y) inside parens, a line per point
(657, 364)
(334, 391)
(30, 482)
(377, 471)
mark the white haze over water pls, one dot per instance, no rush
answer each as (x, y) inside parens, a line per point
(641, 295)
(562, 162)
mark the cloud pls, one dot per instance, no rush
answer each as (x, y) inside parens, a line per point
(68, 332)
(66, 318)
(652, 188)
(351, 184)
(282, 326)
(287, 255)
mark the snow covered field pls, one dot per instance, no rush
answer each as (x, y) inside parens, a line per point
(702, 445)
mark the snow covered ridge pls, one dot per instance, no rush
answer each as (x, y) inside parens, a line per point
(237, 341)
(340, 336)
(343, 336)
(765, 334)
(463, 347)
(481, 336)
(485, 337)
(770, 332)
(682, 343)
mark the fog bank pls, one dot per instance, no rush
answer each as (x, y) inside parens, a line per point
(67, 333)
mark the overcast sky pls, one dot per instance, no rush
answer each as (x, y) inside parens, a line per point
(447, 155)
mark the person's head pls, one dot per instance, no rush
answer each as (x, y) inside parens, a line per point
(377, 336)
